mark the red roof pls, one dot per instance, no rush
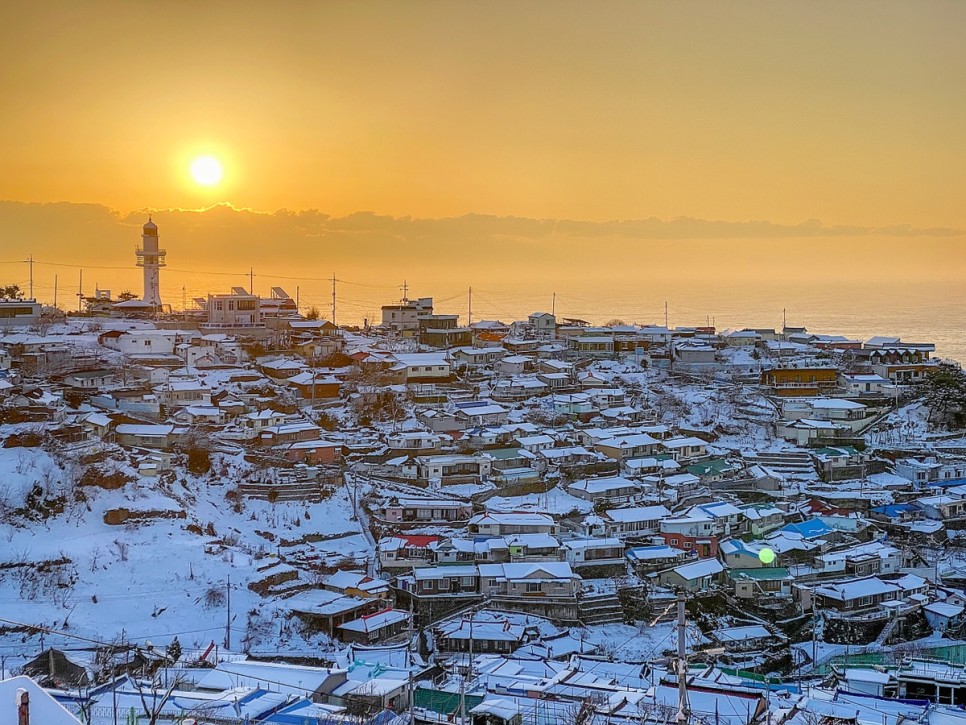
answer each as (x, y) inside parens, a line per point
(419, 540)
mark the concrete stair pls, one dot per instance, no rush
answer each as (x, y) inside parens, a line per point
(786, 463)
(302, 491)
(600, 609)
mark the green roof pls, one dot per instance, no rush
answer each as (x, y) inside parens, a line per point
(503, 454)
(716, 465)
(838, 451)
(768, 573)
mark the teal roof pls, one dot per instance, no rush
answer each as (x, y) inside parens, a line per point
(769, 573)
(716, 465)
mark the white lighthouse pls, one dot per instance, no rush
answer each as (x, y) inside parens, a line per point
(151, 258)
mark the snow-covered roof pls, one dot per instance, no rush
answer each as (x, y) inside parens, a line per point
(699, 569)
(44, 709)
(638, 513)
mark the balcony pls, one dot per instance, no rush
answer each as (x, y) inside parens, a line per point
(146, 256)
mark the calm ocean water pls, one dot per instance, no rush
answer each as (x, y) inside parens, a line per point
(916, 312)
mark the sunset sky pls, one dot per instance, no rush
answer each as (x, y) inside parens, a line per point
(849, 112)
(843, 123)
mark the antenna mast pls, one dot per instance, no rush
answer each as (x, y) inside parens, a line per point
(333, 298)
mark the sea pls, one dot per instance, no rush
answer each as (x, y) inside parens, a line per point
(931, 312)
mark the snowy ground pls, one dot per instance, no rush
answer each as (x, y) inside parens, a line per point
(555, 502)
(640, 642)
(162, 577)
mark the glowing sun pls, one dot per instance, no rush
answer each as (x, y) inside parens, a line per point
(206, 170)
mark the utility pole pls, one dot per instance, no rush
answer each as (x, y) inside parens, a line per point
(665, 314)
(814, 633)
(405, 291)
(553, 305)
(333, 298)
(251, 280)
(297, 307)
(55, 291)
(80, 291)
(30, 264)
(184, 301)
(469, 314)
(682, 717)
(409, 651)
(228, 622)
(468, 673)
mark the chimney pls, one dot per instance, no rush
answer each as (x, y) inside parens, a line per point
(23, 707)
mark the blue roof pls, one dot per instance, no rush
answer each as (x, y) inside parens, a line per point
(895, 509)
(947, 482)
(305, 712)
(810, 529)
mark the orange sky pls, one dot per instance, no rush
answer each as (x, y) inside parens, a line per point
(852, 113)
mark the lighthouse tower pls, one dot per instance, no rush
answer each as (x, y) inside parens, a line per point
(151, 258)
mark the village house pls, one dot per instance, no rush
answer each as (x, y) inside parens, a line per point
(581, 553)
(375, 627)
(696, 576)
(648, 559)
(426, 511)
(183, 391)
(147, 435)
(490, 633)
(865, 384)
(542, 579)
(403, 319)
(475, 357)
(513, 365)
(685, 449)
(406, 551)
(481, 413)
(856, 594)
(518, 388)
(695, 531)
(312, 385)
(355, 584)
(443, 331)
(931, 469)
(239, 309)
(313, 452)
(638, 522)
(612, 489)
(91, 380)
(765, 581)
(414, 442)
(633, 445)
(435, 581)
(439, 421)
(424, 367)
(805, 381)
(446, 468)
(287, 433)
(503, 524)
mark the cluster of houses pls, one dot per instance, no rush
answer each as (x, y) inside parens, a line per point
(526, 480)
